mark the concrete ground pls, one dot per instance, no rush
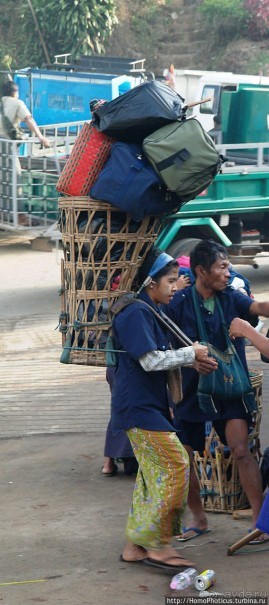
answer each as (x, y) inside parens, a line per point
(62, 523)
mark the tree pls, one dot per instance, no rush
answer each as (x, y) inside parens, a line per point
(224, 19)
(258, 22)
(8, 32)
(68, 26)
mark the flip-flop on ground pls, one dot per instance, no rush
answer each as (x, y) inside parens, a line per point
(195, 533)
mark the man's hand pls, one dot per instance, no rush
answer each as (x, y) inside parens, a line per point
(44, 141)
(206, 366)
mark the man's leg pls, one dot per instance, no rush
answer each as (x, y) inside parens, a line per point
(194, 501)
(236, 431)
(193, 433)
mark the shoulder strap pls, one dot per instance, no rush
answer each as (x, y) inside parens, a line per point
(170, 325)
(200, 321)
(129, 298)
(2, 108)
(220, 310)
(224, 326)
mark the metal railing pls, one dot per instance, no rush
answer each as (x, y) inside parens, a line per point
(28, 176)
(245, 157)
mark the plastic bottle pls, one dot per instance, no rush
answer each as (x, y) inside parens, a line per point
(184, 579)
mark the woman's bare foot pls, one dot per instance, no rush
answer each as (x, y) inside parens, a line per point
(109, 468)
(169, 555)
(133, 552)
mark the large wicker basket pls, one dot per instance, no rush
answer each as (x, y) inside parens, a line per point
(103, 248)
(217, 472)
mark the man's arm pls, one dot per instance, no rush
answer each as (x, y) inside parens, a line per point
(242, 328)
(31, 123)
(259, 308)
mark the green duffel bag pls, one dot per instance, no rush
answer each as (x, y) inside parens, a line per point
(184, 156)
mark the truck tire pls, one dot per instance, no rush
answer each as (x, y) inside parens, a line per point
(182, 247)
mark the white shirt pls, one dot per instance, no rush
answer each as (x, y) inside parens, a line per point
(15, 110)
(167, 360)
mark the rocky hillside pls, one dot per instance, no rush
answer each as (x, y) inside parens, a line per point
(174, 32)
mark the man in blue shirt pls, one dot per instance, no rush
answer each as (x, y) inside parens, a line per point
(210, 266)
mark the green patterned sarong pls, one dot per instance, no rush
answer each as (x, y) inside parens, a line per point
(161, 488)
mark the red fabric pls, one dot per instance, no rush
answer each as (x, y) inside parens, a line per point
(184, 261)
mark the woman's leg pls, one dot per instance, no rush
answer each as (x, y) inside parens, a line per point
(160, 493)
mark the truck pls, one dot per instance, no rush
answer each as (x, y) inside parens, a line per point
(212, 86)
(61, 91)
(234, 209)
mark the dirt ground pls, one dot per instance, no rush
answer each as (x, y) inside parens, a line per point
(62, 523)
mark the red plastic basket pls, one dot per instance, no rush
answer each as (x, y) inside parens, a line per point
(87, 158)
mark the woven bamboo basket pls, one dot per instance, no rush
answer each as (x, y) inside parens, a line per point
(103, 249)
(217, 472)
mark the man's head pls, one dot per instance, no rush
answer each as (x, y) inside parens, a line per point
(210, 264)
(9, 89)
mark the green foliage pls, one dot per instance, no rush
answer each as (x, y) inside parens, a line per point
(67, 26)
(84, 25)
(259, 64)
(258, 11)
(224, 19)
(8, 34)
(145, 13)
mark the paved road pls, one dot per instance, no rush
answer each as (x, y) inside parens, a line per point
(62, 522)
(38, 394)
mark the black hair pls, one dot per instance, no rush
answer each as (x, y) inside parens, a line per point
(206, 253)
(149, 260)
(8, 88)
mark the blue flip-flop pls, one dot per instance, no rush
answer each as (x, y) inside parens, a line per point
(198, 532)
(259, 539)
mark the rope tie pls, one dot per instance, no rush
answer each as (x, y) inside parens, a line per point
(207, 492)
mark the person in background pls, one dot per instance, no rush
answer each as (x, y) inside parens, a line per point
(210, 265)
(239, 328)
(117, 446)
(16, 111)
(170, 77)
(141, 407)
(185, 277)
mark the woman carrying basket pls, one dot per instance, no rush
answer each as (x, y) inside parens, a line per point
(140, 406)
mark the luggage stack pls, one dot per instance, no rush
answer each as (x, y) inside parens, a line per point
(114, 199)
